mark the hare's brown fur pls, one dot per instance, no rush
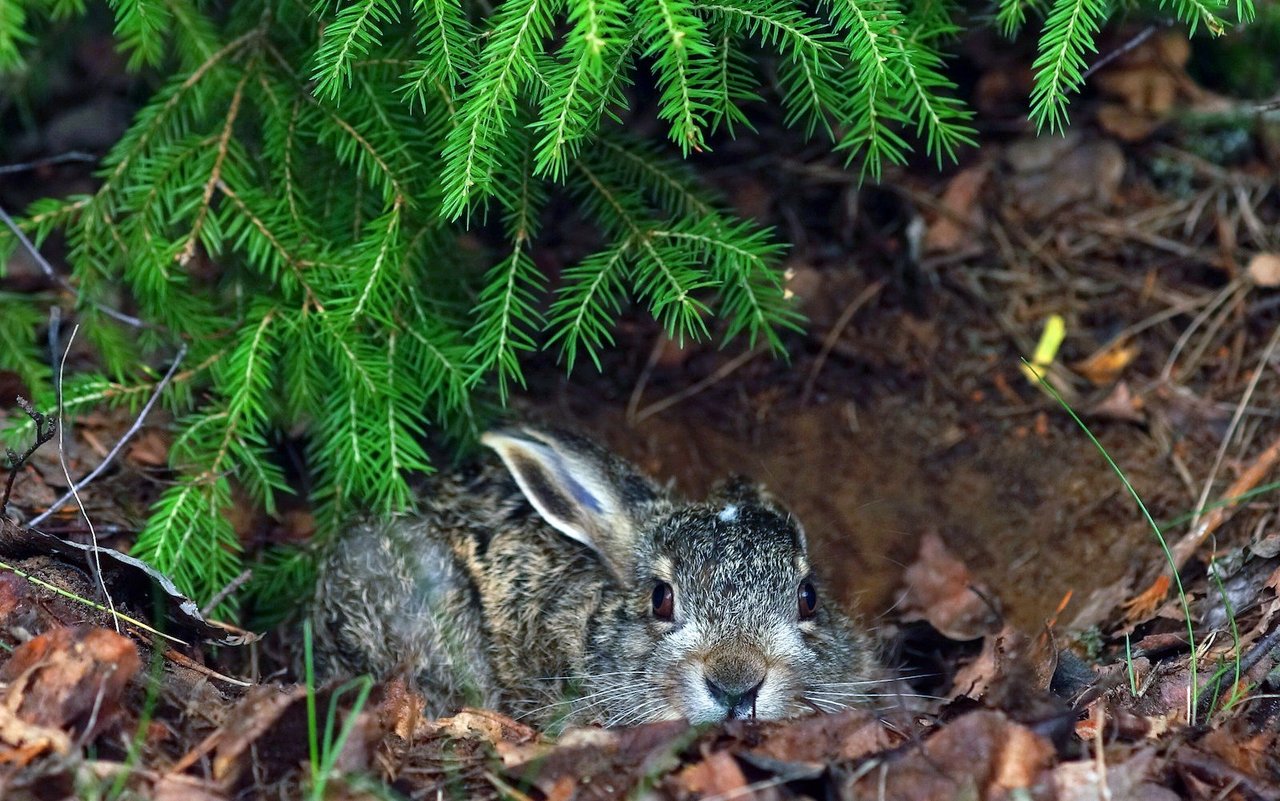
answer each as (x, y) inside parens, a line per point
(527, 585)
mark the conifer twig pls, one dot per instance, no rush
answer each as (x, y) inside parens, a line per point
(111, 455)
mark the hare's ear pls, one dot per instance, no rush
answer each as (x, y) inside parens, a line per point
(742, 490)
(582, 490)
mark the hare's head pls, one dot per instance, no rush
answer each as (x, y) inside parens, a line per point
(717, 615)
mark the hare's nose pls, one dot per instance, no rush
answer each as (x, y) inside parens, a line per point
(738, 697)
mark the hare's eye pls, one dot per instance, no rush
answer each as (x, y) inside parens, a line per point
(807, 595)
(664, 601)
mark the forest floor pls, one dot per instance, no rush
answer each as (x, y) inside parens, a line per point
(955, 504)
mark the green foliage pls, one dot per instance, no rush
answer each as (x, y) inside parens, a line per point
(293, 200)
(1069, 33)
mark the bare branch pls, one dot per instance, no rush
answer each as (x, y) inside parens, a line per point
(45, 429)
(111, 455)
(52, 274)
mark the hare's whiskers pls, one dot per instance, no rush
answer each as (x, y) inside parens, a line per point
(589, 676)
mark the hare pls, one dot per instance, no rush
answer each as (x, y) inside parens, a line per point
(560, 584)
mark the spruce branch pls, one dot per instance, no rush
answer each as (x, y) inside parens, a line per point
(471, 149)
(667, 278)
(215, 173)
(581, 317)
(141, 26)
(350, 36)
(446, 53)
(13, 35)
(506, 312)
(682, 58)
(1067, 36)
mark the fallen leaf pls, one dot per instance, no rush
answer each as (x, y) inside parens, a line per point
(980, 755)
(1104, 366)
(1126, 124)
(1143, 605)
(1008, 656)
(959, 202)
(717, 775)
(1086, 780)
(71, 677)
(606, 763)
(184, 788)
(1120, 404)
(129, 580)
(848, 735)
(941, 590)
(27, 739)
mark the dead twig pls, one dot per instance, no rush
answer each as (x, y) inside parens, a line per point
(46, 427)
(721, 373)
(1234, 424)
(111, 455)
(95, 564)
(655, 353)
(1144, 604)
(222, 594)
(833, 336)
(1250, 478)
(63, 158)
(52, 275)
(1142, 36)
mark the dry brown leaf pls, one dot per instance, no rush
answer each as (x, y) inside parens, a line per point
(980, 755)
(150, 449)
(718, 774)
(486, 725)
(1008, 655)
(401, 710)
(1087, 781)
(1120, 404)
(28, 740)
(71, 677)
(1126, 124)
(259, 710)
(960, 202)
(1143, 605)
(848, 735)
(184, 788)
(1264, 269)
(941, 590)
(1104, 366)
(604, 763)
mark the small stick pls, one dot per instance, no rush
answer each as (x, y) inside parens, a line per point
(96, 563)
(111, 455)
(43, 435)
(24, 166)
(233, 585)
(637, 392)
(1235, 422)
(52, 275)
(1142, 36)
(1252, 475)
(722, 372)
(833, 336)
